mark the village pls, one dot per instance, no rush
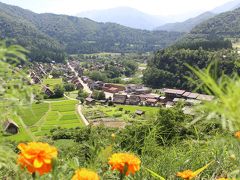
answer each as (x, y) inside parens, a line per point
(130, 94)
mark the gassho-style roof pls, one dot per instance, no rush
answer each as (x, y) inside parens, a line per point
(88, 99)
(174, 91)
(7, 123)
(204, 97)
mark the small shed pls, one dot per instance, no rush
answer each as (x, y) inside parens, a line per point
(139, 112)
(90, 101)
(11, 127)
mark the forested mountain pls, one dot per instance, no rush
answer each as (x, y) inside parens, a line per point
(15, 26)
(45, 34)
(225, 25)
(187, 25)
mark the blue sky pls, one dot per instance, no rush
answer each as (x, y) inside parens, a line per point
(156, 7)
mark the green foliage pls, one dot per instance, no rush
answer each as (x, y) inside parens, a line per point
(69, 87)
(98, 76)
(98, 95)
(226, 91)
(168, 67)
(58, 91)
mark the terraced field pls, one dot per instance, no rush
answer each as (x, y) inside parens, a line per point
(39, 119)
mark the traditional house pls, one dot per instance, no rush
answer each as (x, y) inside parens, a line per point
(203, 97)
(119, 98)
(79, 85)
(11, 127)
(133, 100)
(173, 93)
(48, 91)
(36, 79)
(151, 102)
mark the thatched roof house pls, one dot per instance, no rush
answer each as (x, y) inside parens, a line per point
(11, 127)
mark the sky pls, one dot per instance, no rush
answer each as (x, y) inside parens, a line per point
(154, 7)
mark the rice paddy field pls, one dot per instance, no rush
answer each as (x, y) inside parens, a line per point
(39, 119)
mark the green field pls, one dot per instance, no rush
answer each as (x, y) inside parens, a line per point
(52, 82)
(39, 119)
(121, 112)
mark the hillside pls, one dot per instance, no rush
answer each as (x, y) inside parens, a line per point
(125, 16)
(225, 25)
(187, 25)
(54, 33)
(15, 26)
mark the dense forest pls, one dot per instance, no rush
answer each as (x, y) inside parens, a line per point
(47, 36)
(169, 67)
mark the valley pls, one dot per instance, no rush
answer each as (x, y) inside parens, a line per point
(100, 97)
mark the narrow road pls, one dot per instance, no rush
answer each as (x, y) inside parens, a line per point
(85, 86)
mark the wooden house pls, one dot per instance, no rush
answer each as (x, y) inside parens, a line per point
(170, 94)
(119, 98)
(151, 102)
(11, 127)
(133, 100)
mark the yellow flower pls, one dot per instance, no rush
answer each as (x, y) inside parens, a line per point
(36, 157)
(84, 174)
(120, 161)
(222, 179)
(113, 136)
(187, 174)
(237, 134)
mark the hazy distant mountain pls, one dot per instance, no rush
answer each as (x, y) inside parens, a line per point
(125, 16)
(227, 7)
(187, 25)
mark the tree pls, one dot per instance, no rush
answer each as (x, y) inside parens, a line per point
(82, 94)
(58, 91)
(69, 87)
(98, 95)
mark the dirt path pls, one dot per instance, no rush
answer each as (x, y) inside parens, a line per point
(79, 110)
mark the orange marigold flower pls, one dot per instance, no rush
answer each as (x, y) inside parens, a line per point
(237, 134)
(84, 174)
(36, 157)
(119, 161)
(187, 174)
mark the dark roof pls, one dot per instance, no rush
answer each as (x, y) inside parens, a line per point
(119, 98)
(134, 99)
(7, 123)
